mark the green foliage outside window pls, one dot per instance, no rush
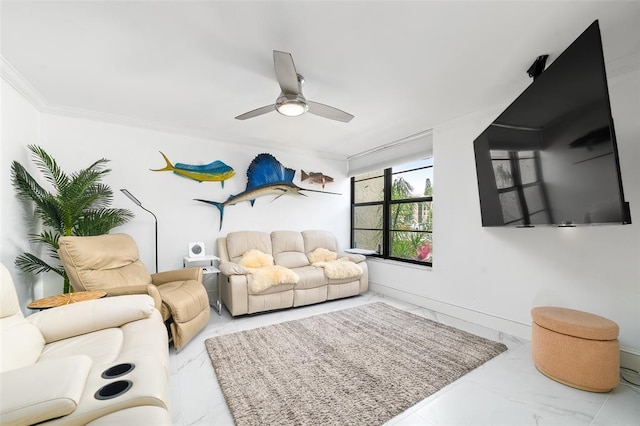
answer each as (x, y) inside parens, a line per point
(408, 220)
(407, 213)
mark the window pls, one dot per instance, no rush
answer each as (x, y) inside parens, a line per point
(391, 212)
(522, 195)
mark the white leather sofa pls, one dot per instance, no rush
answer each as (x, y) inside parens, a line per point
(289, 249)
(98, 362)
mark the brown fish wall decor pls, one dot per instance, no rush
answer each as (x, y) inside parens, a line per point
(315, 177)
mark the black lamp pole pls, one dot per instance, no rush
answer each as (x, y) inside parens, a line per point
(137, 202)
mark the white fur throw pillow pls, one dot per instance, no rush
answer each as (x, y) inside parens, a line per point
(322, 255)
(256, 259)
(266, 277)
(340, 269)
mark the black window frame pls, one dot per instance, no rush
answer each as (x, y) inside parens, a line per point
(518, 187)
(387, 203)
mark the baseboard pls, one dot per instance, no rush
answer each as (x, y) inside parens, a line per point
(629, 357)
(485, 319)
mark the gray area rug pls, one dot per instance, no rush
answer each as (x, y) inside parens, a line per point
(359, 366)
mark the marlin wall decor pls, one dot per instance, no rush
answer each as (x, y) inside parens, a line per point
(265, 176)
(216, 171)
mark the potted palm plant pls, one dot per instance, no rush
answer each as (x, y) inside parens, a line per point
(78, 205)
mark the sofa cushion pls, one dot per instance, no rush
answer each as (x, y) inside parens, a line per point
(21, 342)
(256, 259)
(60, 323)
(146, 338)
(318, 238)
(310, 277)
(292, 259)
(102, 346)
(140, 415)
(184, 299)
(230, 268)
(280, 288)
(58, 387)
(238, 243)
(288, 249)
(8, 298)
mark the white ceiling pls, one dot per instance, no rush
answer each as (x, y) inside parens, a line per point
(399, 67)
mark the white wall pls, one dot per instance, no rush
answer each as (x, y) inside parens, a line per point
(494, 276)
(75, 143)
(20, 123)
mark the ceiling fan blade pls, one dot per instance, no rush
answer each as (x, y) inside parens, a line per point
(286, 73)
(256, 112)
(329, 112)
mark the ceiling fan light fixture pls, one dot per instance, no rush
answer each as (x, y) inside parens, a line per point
(291, 102)
(291, 106)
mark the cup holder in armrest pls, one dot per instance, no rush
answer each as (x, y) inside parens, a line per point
(118, 370)
(113, 389)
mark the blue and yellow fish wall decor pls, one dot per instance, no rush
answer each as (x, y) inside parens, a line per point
(216, 171)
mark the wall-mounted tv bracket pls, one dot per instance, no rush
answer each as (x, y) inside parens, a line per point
(537, 67)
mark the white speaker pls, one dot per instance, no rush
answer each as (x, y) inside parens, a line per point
(196, 249)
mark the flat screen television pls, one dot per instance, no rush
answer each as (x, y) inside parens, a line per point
(551, 157)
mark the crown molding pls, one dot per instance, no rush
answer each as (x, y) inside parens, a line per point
(161, 127)
(18, 82)
(407, 139)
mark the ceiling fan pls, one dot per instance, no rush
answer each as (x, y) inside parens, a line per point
(291, 101)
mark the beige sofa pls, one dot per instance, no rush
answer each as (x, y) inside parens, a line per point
(98, 362)
(291, 250)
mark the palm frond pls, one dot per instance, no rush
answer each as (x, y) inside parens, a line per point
(49, 240)
(28, 190)
(87, 177)
(50, 212)
(101, 221)
(103, 195)
(85, 191)
(99, 165)
(49, 167)
(26, 186)
(32, 264)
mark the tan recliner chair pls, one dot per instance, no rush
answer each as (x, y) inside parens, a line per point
(112, 263)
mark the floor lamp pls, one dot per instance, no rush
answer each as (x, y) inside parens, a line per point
(136, 201)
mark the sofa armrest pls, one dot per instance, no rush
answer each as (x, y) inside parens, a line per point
(230, 268)
(43, 391)
(353, 257)
(93, 315)
(149, 289)
(177, 275)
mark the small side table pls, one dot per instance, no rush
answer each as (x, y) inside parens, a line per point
(65, 299)
(207, 269)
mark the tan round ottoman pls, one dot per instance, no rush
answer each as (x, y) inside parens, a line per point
(576, 348)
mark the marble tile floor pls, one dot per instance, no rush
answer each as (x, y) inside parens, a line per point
(507, 390)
